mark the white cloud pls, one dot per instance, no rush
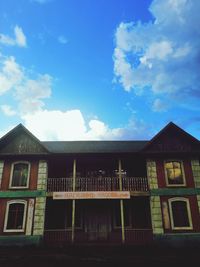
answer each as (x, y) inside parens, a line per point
(71, 125)
(19, 36)
(29, 92)
(4, 39)
(29, 95)
(67, 125)
(56, 125)
(11, 74)
(122, 69)
(7, 110)
(161, 57)
(41, 1)
(19, 40)
(62, 39)
(159, 105)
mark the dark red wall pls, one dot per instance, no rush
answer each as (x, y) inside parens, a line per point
(187, 169)
(3, 203)
(194, 213)
(7, 171)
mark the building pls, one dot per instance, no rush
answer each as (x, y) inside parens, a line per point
(99, 192)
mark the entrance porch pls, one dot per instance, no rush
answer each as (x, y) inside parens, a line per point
(98, 222)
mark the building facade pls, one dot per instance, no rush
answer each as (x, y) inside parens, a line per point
(60, 193)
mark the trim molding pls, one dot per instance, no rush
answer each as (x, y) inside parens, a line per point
(9, 203)
(185, 200)
(12, 172)
(22, 193)
(175, 191)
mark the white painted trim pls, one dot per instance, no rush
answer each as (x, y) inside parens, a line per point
(11, 175)
(182, 169)
(2, 169)
(6, 215)
(186, 200)
(29, 221)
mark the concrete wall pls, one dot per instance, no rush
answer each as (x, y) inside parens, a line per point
(156, 215)
(152, 174)
(42, 175)
(40, 203)
(38, 228)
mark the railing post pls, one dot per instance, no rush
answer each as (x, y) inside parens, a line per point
(121, 200)
(73, 201)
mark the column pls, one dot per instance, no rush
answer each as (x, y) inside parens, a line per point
(156, 215)
(121, 200)
(40, 202)
(152, 174)
(73, 201)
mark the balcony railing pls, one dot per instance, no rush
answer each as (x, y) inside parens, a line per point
(64, 237)
(97, 184)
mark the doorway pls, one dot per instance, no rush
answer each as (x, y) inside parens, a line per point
(97, 220)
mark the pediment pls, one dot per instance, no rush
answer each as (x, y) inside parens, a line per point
(21, 141)
(173, 139)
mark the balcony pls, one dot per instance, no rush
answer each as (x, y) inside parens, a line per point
(135, 184)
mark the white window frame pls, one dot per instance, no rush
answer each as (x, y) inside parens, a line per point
(182, 169)
(7, 213)
(186, 200)
(11, 175)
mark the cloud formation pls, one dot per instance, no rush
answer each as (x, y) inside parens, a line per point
(7, 110)
(27, 91)
(62, 39)
(161, 56)
(18, 40)
(29, 95)
(159, 105)
(41, 1)
(71, 125)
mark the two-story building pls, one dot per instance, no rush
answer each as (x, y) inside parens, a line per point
(59, 193)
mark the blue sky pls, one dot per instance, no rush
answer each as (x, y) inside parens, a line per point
(85, 69)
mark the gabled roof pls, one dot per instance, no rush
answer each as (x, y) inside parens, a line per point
(94, 146)
(170, 139)
(11, 139)
(178, 134)
(18, 140)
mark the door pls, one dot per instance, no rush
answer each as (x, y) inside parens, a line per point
(97, 222)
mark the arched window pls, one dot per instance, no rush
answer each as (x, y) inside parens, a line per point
(20, 173)
(15, 216)
(180, 213)
(174, 173)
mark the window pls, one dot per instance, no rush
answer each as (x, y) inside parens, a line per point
(20, 175)
(15, 216)
(180, 214)
(174, 173)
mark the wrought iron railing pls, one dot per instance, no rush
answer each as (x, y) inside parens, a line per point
(97, 184)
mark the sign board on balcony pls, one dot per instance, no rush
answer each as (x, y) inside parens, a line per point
(92, 195)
